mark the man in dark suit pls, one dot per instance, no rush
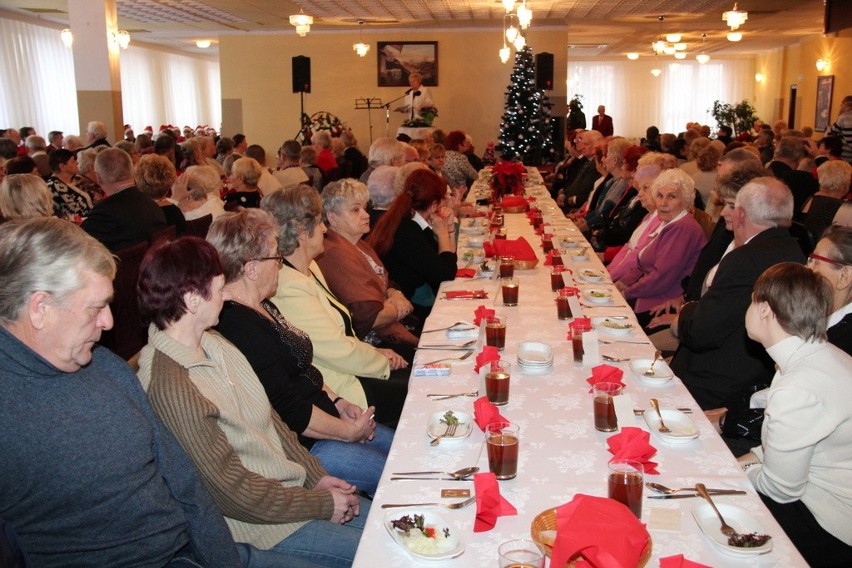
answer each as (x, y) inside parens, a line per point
(716, 360)
(575, 194)
(788, 153)
(602, 122)
(126, 216)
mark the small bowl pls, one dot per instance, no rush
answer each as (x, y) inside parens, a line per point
(618, 328)
(662, 373)
(598, 296)
(591, 275)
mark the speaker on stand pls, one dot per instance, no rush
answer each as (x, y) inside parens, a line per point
(544, 71)
(302, 85)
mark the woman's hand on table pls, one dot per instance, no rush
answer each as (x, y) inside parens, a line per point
(396, 361)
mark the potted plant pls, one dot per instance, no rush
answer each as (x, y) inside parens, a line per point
(741, 117)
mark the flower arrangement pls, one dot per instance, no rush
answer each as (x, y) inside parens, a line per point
(427, 115)
(507, 178)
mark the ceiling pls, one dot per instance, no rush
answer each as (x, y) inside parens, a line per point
(593, 27)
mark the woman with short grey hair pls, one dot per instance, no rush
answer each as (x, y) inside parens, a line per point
(245, 174)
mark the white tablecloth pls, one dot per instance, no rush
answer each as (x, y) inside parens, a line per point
(561, 453)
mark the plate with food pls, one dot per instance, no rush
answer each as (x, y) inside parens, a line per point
(662, 373)
(613, 326)
(440, 422)
(750, 539)
(683, 429)
(577, 254)
(424, 534)
(473, 255)
(598, 295)
(591, 275)
(572, 243)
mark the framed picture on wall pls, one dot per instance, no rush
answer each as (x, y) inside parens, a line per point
(825, 85)
(398, 59)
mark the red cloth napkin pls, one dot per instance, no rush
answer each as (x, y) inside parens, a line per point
(489, 503)
(485, 356)
(465, 273)
(678, 561)
(632, 444)
(548, 261)
(484, 413)
(519, 248)
(489, 249)
(578, 323)
(466, 294)
(480, 313)
(603, 530)
(605, 374)
(513, 201)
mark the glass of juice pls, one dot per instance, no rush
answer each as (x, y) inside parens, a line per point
(624, 484)
(604, 408)
(497, 378)
(503, 440)
(495, 330)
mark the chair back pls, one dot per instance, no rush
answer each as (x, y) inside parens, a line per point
(198, 227)
(128, 335)
(168, 233)
(705, 220)
(803, 236)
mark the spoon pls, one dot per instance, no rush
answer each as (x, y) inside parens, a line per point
(659, 488)
(662, 428)
(649, 372)
(464, 345)
(458, 474)
(450, 327)
(726, 529)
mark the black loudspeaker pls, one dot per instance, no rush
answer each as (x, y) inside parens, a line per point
(302, 74)
(544, 71)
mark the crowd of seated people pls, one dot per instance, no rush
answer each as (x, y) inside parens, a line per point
(308, 300)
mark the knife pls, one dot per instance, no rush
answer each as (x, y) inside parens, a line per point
(447, 348)
(688, 495)
(641, 411)
(438, 479)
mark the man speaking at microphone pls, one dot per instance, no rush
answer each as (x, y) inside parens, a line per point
(416, 97)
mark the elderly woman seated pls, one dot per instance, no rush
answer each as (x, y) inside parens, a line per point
(382, 191)
(86, 179)
(353, 369)
(342, 435)
(272, 493)
(652, 272)
(245, 174)
(818, 212)
(803, 467)
(197, 193)
(415, 240)
(68, 199)
(457, 168)
(355, 273)
(154, 176)
(23, 196)
(832, 258)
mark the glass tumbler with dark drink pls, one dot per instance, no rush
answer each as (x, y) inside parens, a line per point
(625, 484)
(507, 266)
(578, 328)
(495, 330)
(604, 408)
(547, 242)
(509, 288)
(497, 382)
(503, 439)
(557, 282)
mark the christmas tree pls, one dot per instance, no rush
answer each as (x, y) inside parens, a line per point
(526, 130)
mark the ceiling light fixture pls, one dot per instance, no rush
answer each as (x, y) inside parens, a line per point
(520, 42)
(633, 56)
(302, 22)
(203, 43)
(702, 57)
(67, 37)
(680, 55)
(735, 18)
(735, 36)
(509, 5)
(361, 48)
(505, 53)
(759, 77)
(673, 38)
(656, 72)
(512, 32)
(524, 15)
(121, 38)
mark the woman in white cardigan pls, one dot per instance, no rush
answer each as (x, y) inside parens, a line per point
(355, 370)
(803, 467)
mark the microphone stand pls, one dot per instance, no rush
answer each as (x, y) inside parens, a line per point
(387, 113)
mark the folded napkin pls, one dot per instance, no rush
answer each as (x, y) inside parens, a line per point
(519, 248)
(605, 374)
(632, 444)
(578, 323)
(489, 503)
(603, 530)
(484, 413)
(489, 249)
(571, 290)
(487, 355)
(548, 261)
(466, 294)
(513, 201)
(678, 561)
(481, 313)
(540, 230)
(465, 273)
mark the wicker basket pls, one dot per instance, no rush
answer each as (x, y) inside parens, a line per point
(526, 264)
(517, 209)
(546, 521)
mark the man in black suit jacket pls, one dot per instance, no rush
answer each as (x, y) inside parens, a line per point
(716, 360)
(575, 194)
(788, 153)
(602, 122)
(125, 216)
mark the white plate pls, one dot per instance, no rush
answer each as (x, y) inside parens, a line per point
(616, 327)
(435, 427)
(474, 242)
(662, 373)
(682, 427)
(451, 547)
(590, 275)
(606, 298)
(742, 522)
(535, 370)
(473, 255)
(572, 243)
(533, 353)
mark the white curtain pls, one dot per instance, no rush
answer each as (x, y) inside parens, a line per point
(37, 78)
(636, 99)
(39, 89)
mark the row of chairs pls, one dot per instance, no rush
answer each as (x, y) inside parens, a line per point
(128, 335)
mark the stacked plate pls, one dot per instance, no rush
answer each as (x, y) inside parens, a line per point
(534, 357)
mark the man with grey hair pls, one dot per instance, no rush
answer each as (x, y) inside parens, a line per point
(37, 150)
(126, 216)
(784, 165)
(384, 151)
(716, 360)
(96, 133)
(89, 475)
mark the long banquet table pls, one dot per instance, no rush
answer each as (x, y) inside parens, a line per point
(561, 453)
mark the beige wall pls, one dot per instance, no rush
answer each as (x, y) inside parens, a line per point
(257, 82)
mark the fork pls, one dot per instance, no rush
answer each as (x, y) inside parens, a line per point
(448, 396)
(662, 428)
(462, 358)
(456, 505)
(726, 529)
(450, 431)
